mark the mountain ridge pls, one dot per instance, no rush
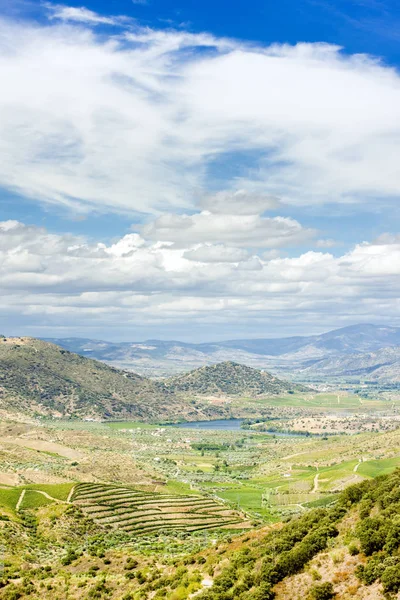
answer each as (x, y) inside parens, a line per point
(162, 358)
(381, 365)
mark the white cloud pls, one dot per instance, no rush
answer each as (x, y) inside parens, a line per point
(327, 243)
(234, 229)
(138, 122)
(63, 281)
(81, 14)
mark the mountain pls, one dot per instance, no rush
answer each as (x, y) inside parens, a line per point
(42, 378)
(281, 355)
(382, 365)
(231, 379)
(36, 376)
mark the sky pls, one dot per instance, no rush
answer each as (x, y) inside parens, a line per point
(198, 171)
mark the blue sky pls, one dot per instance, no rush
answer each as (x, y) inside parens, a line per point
(177, 169)
(369, 26)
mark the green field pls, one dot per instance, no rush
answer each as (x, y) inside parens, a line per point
(33, 498)
(323, 401)
(373, 468)
(56, 490)
(9, 497)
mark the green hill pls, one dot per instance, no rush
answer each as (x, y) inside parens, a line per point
(39, 377)
(231, 379)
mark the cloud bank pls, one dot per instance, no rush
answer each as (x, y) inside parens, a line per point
(66, 283)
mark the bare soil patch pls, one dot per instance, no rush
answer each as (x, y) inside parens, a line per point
(45, 447)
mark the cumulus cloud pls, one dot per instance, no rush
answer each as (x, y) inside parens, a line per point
(140, 120)
(242, 230)
(64, 281)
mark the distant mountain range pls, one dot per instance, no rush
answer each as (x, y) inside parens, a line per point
(37, 377)
(282, 355)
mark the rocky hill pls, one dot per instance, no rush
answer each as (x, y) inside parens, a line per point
(39, 377)
(231, 379)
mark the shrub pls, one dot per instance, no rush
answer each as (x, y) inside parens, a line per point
(371, 571)
(322, 591)
(365, 507)
(372, 533)
(391, 579)
(69, 557)
(264, 592)
(354, 549)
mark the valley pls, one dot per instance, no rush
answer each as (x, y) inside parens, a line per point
(162, 502)
(113, 485)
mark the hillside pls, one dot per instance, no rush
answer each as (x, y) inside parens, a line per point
(382, 365)
(231, 379)
(349, 549)
(37, 376)
(163, 358)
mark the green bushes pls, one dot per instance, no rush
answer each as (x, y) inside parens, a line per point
(390, 578)
(69, 558)
(99, 590)
(283, 553)
(379, 535)
(383, 568)
(131, 563)
(322, 591)
(372, 533)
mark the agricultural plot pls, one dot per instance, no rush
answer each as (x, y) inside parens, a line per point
(324, 401)
(34, 495)
(141, 512)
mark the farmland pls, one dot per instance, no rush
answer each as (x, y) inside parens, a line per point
(141, 512)
(262, 475)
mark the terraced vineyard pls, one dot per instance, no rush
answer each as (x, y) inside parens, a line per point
(140, 512)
